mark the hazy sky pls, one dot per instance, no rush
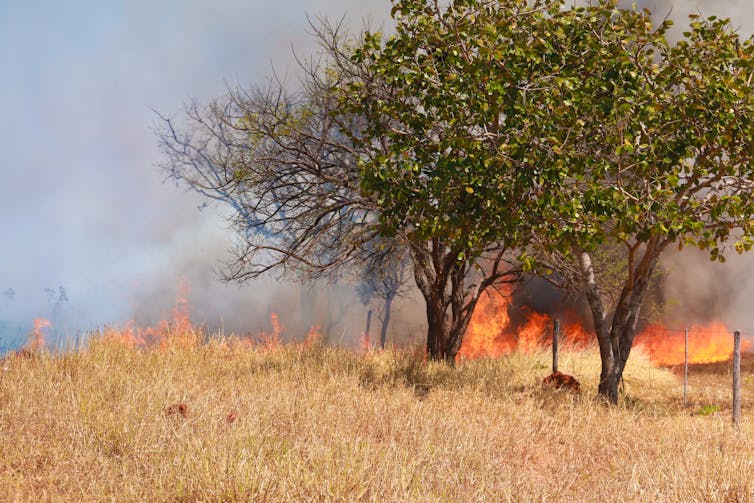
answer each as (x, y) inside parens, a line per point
(82, 202)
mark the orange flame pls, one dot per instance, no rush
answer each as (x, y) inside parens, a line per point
(181, 332)
(176, 331)
(274, 339)
(490, 335)
(268, 340)
(313, 336)
(486, 334)
(707, 344)
(530, 335)
(36, 339)
(364, 343)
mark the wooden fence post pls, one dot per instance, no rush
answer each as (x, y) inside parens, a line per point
(555, 333)
(736, 377)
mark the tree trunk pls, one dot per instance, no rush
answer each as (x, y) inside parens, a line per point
(437, 334)
(445, 330)
(440, 277)
(607, 387)
(385, 320)
(615, 343)
(626, 319)
(367, 329)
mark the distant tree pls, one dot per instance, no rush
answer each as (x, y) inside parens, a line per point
(62, 295)
(385, 280)
(9, 294)
(56, 298)
(51, 295)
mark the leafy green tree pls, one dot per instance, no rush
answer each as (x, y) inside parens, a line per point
(654, 144)
(449, 137)
(574, 127)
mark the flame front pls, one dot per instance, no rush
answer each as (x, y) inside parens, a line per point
(491, 334)
(314, 336)
(707, 344)
(486, 335)
(276, 337)
(178, 330)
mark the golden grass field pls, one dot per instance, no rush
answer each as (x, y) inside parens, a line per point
(224, 421)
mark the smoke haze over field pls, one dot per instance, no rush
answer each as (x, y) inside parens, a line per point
(82, 203)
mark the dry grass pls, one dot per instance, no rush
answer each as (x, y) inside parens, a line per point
(227, 422)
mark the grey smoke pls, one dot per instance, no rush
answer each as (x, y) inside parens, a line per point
(82, 203)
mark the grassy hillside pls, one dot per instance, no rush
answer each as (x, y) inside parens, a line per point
(229, 422)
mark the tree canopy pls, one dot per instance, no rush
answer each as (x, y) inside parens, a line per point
(449, 112)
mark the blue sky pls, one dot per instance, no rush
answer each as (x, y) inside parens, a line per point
(82, 201)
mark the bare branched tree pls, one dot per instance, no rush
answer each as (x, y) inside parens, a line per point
(287, 161)
(280, 160)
